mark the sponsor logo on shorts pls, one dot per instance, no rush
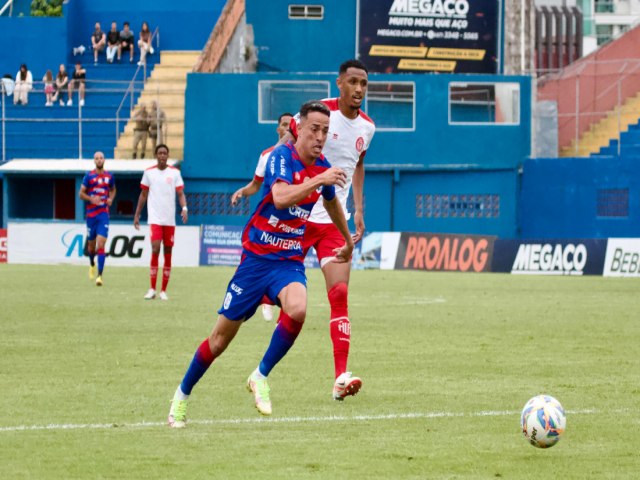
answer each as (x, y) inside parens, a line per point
(227, 300)
(236, 289)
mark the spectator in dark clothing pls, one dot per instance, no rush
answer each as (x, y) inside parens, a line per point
(126, 42)
(77, 81)
(113, 42)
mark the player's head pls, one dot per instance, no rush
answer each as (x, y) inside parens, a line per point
(313, 129)
(162, 155)
(353, 79)
(98, 159)
(283, 124)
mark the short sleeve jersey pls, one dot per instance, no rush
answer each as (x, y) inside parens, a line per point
(276, 234)
(162, 186)
(98, 185)
(347, 142)
(262, 164)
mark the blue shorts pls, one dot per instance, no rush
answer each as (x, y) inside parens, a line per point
(98, 225)
(254, 278)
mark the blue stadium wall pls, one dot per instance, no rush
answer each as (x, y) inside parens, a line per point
(44, 43)
(439, 177)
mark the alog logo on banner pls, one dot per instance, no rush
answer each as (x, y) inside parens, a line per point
(3, 245)
(455, 36)
(443, 252)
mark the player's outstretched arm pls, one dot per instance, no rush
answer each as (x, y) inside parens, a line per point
(249, 189)
(334, 209)
(142, 199)
(285, 195)
(358, 188)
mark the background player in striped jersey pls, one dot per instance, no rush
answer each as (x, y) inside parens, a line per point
(98, 189)
(160, 184)
(350, 134)
(258, 177)
(273, 254)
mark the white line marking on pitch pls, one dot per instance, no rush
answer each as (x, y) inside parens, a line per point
(235, 421)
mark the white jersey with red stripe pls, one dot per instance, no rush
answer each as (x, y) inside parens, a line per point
(347, 142)
(162, 186)
(262, 164)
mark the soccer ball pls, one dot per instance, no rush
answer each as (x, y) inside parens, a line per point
(543, 421)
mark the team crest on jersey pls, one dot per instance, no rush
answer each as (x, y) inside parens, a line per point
(359, 144)
(169, 180)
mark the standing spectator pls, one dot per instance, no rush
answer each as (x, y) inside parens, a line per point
(77, 81)
(144, 43)
(126, 42)
(113, 42)
(49, 87)
(157, 125)
(98, 42)
(98, 189)
(140, 130)
(62, 80)
(161, 183)
(24, 84)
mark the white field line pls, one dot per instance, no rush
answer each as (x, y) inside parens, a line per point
(237, 421)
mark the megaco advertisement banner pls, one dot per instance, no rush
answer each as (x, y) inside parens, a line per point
(54, 243)
(453, 36)
(622, 258)
(444, 252)
(550, 257)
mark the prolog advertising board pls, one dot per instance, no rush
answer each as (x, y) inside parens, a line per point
(454, 36)
(622, 258)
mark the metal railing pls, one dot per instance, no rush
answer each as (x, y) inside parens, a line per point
(8, 5)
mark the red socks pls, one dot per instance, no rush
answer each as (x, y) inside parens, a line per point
(339, 326)
(166, 271)
(153, 271)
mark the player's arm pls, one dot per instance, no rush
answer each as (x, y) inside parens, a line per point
(249, 189)
(182, 200)
(286, 195)
(142, 199)
(358, 196)
(112, 196)
(334, 209)
(287, 137)
(86, 197)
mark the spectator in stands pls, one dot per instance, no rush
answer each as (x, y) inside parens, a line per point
(98, 42)
(126, 42)
(144, 43)
(24, 84)
(140, 130)
(8, 84)
(77, 81)
(62, 80)
(49, 87)
(113, 42)
(157, 126)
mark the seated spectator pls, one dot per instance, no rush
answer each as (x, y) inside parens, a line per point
(140, 130)
(24, 84)
(49, 87)
(98, 42)
(77, 81)
(113, 42)
(62, 79)
(8, 84)
(126, 42)
(144, 43)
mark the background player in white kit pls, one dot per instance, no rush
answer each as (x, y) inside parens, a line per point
(258, 177)
(160, 184)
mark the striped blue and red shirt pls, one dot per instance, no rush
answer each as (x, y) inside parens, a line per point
(275, 234)
(98, 185)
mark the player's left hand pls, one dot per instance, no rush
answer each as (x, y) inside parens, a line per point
(185, 216)
(343, 254)
(358, 219)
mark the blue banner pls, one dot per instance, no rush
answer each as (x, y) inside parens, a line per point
(455, 36)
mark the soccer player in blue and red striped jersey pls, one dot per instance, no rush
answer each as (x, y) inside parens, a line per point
(272, 261)
(98, 189)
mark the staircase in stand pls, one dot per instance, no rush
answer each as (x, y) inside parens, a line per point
(166, 85)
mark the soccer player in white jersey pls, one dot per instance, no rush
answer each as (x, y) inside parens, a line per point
(160, 185)
(258, 177)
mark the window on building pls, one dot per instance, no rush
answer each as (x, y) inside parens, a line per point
(277, 96)
(463, 205)
(495, 103)
(392, 105)
(613, 202)
(306, 12)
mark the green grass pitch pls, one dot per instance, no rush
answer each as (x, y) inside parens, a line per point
(448, 360)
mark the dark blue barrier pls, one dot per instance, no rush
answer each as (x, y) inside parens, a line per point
(550, 257)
